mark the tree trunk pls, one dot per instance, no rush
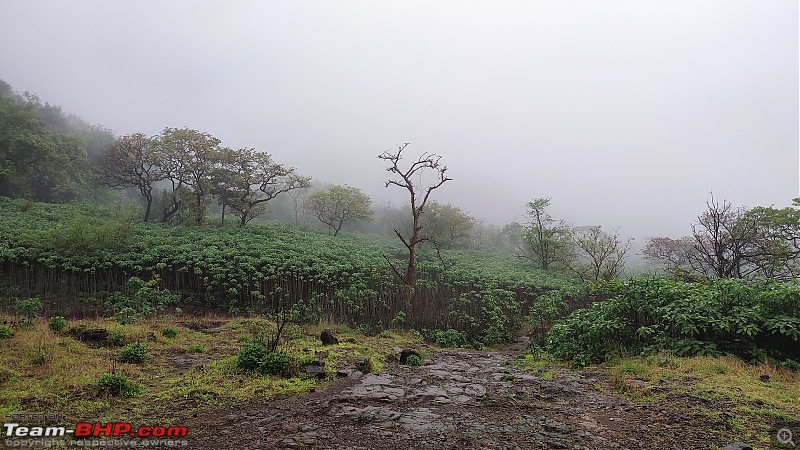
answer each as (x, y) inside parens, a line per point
(149, 198)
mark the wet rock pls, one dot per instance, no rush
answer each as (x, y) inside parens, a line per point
(364, 364)
(738, 446)
(316, 370)
(328, 338)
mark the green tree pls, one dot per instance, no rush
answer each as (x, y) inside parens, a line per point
(447, 225)
(339, 205)
(545, 240)
(132, 161)
(253, 179)
(35, 162)
(187, 159)
(775, 251)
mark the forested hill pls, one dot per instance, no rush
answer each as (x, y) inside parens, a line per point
(47, 154)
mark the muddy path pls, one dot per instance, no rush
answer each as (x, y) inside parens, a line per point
(457, 400)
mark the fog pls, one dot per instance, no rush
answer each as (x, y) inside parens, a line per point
(626, 113)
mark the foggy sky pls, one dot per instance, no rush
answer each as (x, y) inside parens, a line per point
(626, 113)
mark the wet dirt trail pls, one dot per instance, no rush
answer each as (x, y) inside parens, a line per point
(459, 400)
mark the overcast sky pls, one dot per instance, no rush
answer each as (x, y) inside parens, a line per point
(626, 113)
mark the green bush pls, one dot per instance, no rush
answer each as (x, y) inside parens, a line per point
(134, 353)
(6, 332)
(141, 299)
(413, 360)
(117, 384)
(30, 307)
(750, 319)
(450, 338)
(256, 357)
(116, 339)
(369, 330)
(57, 324)
(169, 332)
(39, 357)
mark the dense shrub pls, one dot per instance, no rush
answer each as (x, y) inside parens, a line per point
(413, 360)
(450, 338)
(57, 324)
(141, 299)
(754, 320)
(6, 332)
(29, 307)
(169, 332)
(134, 353)
(117, 384)
(256, 357)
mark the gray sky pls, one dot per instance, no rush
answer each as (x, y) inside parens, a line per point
(626, 113)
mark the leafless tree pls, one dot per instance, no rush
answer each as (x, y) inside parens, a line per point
(419, 195)
(723, 239)
(598, 255)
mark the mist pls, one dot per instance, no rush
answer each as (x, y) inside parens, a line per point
(626, 114)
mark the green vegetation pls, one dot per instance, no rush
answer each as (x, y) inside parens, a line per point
(169, 332)
(484, 294)
(134, 353)
(57, 324)
(754, 320)
(729, 384)
(181, 377)
(413, 360)
(256, 357)
(30, 307)
(117, 384)
(6, 332)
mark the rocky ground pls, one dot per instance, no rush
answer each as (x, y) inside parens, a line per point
(459, 400)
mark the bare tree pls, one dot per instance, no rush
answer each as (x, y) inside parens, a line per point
(299, 197)
(598, 255)
(723, 240)
(406, 181)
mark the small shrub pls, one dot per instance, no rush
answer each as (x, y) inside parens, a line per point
(134, 353)
(57, 324)
(169, 332)
(126, 316)
(30, 307)
(116, 339)
(450, 338)
(117, 384)
(369, 330)
(6, 332)
(413, 360)
(196, 348)
(39, 358)
(256, 357)
(399, 320)
(274, 363)
(250, 356)
(789, 364)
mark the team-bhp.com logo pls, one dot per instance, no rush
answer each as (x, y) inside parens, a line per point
(86, 429)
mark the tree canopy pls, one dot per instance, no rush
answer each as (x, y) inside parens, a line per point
(338, 205)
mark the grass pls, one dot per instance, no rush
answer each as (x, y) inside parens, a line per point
(192, 370)
(724, 391)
